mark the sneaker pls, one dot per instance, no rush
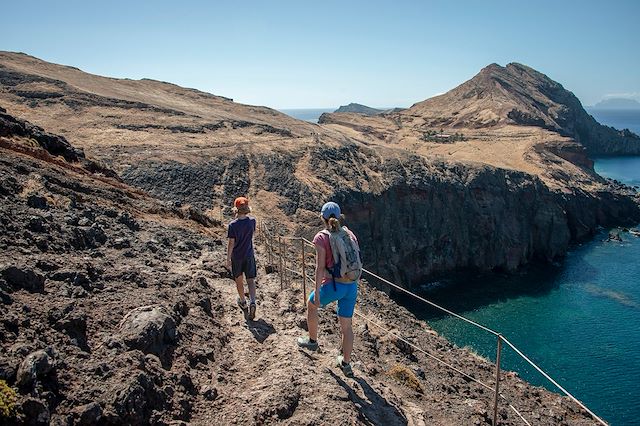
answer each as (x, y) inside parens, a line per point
(305, 342)
(252, 310)
(345, 366)
(242, 304)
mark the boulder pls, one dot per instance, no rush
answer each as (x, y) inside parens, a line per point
(7, 371)
(88, 414)
(23, 278)
(37, 224)
(137, 398)
(37, 202)
(149, 329)
(35, 412)
(35, 366)
(129, 221)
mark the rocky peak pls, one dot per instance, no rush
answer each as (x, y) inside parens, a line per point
(518, 94)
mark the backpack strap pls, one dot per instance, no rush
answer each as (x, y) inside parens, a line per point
(335, 261)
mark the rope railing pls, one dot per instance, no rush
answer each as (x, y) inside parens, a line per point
(462, 373)
(277, 248)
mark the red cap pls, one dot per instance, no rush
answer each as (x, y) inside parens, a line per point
(241, 201)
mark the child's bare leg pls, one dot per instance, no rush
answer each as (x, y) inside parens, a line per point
(251, 282)
(240, 287)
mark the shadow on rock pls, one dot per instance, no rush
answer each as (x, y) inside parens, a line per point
(260, 329)
(374, 410)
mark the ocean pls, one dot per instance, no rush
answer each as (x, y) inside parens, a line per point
(307, 114)
(579, 320)
(620, 119)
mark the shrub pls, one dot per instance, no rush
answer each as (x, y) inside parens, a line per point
(8, 400)
(406, 377)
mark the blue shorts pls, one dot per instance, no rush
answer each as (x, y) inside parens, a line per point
(345, 293)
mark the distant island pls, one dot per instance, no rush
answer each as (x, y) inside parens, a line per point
(366, 110)
(617, 103)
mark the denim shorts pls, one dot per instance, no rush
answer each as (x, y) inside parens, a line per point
(246, 266)
(345, 293)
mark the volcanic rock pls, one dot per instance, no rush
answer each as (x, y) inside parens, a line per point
(23, 278)
(149, 329)
(35, 366)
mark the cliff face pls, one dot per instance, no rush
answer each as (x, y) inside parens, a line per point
(116, 309)
(432, 219)
(496, 197)
(415, 219)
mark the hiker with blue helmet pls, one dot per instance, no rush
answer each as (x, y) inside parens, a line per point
(338, 268)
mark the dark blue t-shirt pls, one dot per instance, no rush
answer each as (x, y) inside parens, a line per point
(241, 230)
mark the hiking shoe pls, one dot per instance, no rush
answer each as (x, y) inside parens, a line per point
(252, 310)
(242, 304)
(344, 366)
(305, 342)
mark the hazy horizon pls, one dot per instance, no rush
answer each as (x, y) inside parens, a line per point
(293, 55)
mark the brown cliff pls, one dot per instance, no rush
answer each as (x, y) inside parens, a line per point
(483, 191)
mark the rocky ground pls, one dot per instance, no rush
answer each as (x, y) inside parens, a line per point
(116, 309)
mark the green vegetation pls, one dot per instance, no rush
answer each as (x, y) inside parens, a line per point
(406, 377)
(8, 400)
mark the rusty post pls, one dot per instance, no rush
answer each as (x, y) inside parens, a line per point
(284, 261)
(269, 247)
(497, 395)
(280, 261)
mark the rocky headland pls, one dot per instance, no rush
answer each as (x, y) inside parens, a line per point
(492, 175)
(365, 110)
(116, 309)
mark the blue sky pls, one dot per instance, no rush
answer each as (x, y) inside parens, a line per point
(296, 54)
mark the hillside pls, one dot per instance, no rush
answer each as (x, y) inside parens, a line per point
(495, 198)
(116, 309)
(517, 94)
(499, 98)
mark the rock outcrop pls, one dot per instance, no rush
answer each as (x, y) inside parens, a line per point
(359, 109)
(521, 95)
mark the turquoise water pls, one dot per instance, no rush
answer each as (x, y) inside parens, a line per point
(578, 320)
(623, 169)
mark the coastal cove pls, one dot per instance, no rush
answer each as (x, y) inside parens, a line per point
(577, 319)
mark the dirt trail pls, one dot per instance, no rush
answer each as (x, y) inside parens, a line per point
(266, 378)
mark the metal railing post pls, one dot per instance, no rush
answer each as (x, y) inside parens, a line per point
(497, 395)
(304, 274)
(284, 262)
(280, 261)
(269, 246)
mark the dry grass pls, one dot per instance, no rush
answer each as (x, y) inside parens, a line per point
(406, 377)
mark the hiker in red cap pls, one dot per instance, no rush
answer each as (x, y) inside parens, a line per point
(240, 256)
